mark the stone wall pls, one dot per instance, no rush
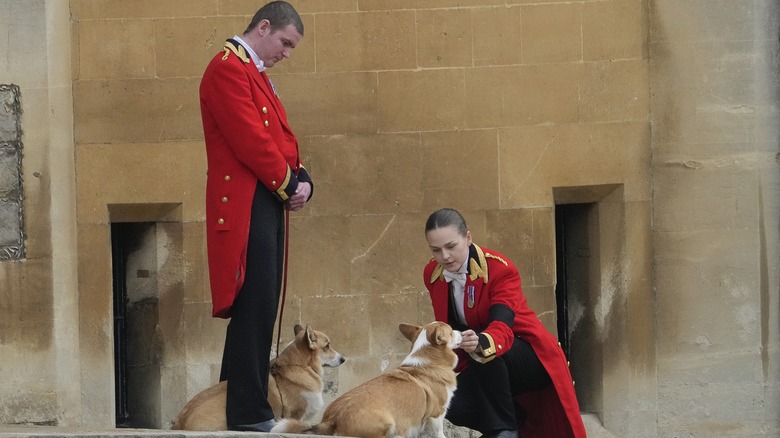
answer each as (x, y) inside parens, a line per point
(660, 135)
(401, 108)
(39, 294)
(715, 216)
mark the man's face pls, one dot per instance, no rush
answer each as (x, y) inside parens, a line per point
(273, 46)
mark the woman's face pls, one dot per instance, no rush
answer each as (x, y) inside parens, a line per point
(449, 247)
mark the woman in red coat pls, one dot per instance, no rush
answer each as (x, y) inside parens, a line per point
(513, 376)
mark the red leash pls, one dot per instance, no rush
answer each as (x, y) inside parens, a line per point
(284, 278)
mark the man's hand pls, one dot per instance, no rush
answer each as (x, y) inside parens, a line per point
(470, 341)
(298, 200)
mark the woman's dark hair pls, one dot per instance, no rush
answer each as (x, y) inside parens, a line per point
(280, 14)
(444, 218)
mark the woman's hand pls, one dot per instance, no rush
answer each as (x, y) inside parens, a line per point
(470, 341)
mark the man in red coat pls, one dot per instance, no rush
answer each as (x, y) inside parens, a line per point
(254, 175)
(513, 376)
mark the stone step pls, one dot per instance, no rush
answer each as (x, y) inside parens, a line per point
(68, 432)
(592, 425)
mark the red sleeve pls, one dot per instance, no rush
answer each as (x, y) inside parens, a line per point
(506, 300)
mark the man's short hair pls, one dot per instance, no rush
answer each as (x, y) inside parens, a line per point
(280, 14)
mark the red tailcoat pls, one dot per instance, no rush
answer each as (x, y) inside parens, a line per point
(552, 412)
(248, 140)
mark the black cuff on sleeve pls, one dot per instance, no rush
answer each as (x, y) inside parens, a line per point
(288, 187)
(500, 312)
(303, 176)
(484, 342)
(487, 345)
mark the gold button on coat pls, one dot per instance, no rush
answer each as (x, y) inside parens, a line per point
(227, 177)
(265, 123)
(265, 110)
(221, 221)
(224, 199)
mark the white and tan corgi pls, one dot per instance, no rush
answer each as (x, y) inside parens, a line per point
(294, 385)
(401, 402)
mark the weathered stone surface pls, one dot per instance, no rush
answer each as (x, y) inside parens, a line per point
(365, 41)
(11, 205)
(11, 228)
(658, 116)
(9, 113)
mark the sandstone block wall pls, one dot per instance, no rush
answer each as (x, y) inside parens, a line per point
(715, 216)
(654, 119)
(39, 294)
(401, 108)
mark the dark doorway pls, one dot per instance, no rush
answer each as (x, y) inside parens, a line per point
(135, 319)
(561, 303)
(577, 291)
(121, 234)
(572, 254)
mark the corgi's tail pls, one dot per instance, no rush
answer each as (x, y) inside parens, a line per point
(294, 426)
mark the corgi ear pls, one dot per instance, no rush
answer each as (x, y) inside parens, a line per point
(442, 334)
(311, 337)
(297, 329)
(409, 331)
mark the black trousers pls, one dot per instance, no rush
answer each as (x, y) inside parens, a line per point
(249, 339)
(483, 400)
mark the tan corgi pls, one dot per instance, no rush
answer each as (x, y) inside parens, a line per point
(401, 402)
(294, 385)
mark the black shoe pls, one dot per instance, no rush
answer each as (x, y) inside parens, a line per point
(263, 426)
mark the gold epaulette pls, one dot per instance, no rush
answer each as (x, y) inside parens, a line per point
(238, 49)
(495, 257)
(478, 266)
(438, 271)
